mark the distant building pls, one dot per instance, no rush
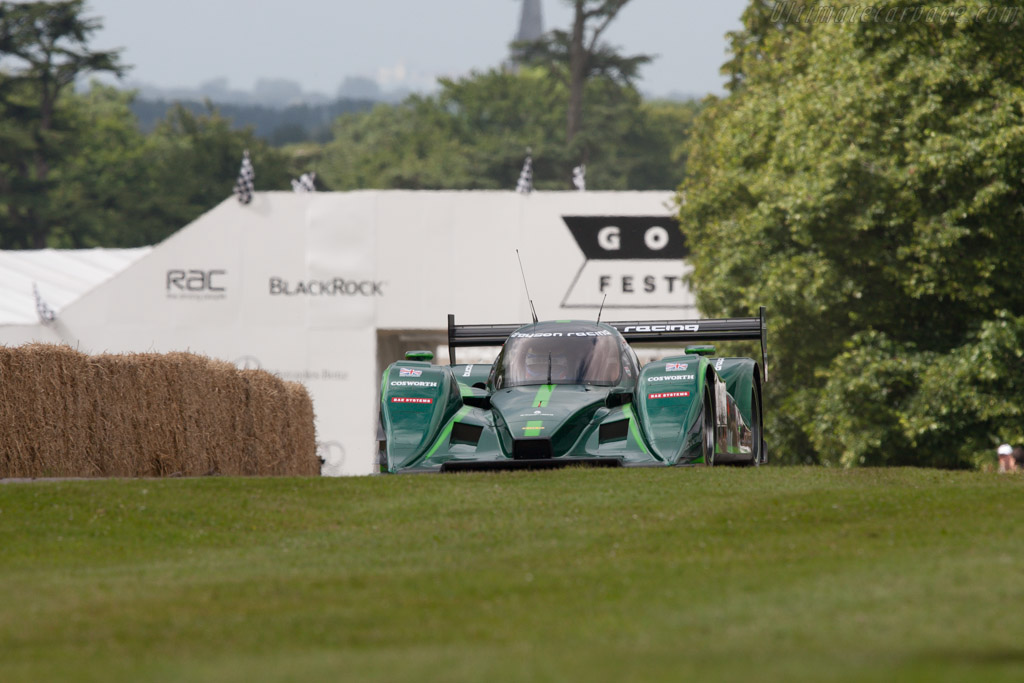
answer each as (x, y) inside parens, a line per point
(531, 22)
(531, 27)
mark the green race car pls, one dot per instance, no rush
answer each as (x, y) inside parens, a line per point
(563, 393)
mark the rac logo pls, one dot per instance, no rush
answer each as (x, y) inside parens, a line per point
(195, 280)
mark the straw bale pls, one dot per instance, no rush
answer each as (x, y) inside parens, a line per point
(301, 434)
(267, 403)
(40, 392)
(64, 413)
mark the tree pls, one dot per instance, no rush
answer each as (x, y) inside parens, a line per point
(579, 55)
(96, 187)
(866, 183)
(121, 188)
(47, 44)
(188, 165)
(475, 131)
(764, 38)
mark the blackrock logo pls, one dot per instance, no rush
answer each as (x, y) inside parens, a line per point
(332, 287)
(196, 284)
(634, 261)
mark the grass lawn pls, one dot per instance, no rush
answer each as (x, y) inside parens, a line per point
(770, 574)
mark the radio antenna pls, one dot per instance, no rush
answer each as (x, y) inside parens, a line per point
(602, 307)
(527, 287)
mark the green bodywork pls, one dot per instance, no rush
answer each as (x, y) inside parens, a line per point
(453, 417)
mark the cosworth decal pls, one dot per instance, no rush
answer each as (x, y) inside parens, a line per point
(672, 378)
(413, 384)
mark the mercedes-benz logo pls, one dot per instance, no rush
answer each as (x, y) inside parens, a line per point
(330, 453)
(248, 363)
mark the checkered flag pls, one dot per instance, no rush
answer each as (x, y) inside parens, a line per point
(244, 186)
(46, 314)
(305, 183)
(579, 177)
(525, 184)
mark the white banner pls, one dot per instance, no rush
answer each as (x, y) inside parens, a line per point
(299, 284)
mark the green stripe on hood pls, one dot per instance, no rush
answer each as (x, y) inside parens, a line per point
(543, 396)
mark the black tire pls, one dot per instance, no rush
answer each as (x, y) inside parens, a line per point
(382, 447)
(707, 435)
(756, 429)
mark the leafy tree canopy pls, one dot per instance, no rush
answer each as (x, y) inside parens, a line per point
(44, 48)
(578, 56)
(865, 182)
(475, 132)
(117, 187)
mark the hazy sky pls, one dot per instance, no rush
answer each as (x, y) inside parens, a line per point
(398, 43)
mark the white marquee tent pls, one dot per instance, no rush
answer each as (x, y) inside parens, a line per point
(327, 288)
(61, 276)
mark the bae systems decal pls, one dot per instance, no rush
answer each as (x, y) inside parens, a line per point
(634, 261)
(334, 287)
(196, 284)
(670, 394)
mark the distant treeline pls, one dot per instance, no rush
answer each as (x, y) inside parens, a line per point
(278, 126)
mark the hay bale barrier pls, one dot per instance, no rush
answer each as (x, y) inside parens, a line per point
(64, 413)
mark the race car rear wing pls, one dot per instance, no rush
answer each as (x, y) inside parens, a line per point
(634, 331)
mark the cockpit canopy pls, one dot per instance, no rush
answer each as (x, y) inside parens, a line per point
(561, 353)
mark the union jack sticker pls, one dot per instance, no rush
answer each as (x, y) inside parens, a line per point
(669, 367)
(409, 372)
(669, 394)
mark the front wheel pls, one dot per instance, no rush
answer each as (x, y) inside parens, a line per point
(707, 437)
(382, 448)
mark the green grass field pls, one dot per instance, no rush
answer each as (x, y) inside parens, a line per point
(770, 574)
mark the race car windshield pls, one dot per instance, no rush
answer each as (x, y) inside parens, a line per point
(560, 360)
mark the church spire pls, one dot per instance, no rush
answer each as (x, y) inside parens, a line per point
(531, 22)
(531, 28)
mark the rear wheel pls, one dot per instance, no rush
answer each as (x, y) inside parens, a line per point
(707, 437)
(756, 431)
